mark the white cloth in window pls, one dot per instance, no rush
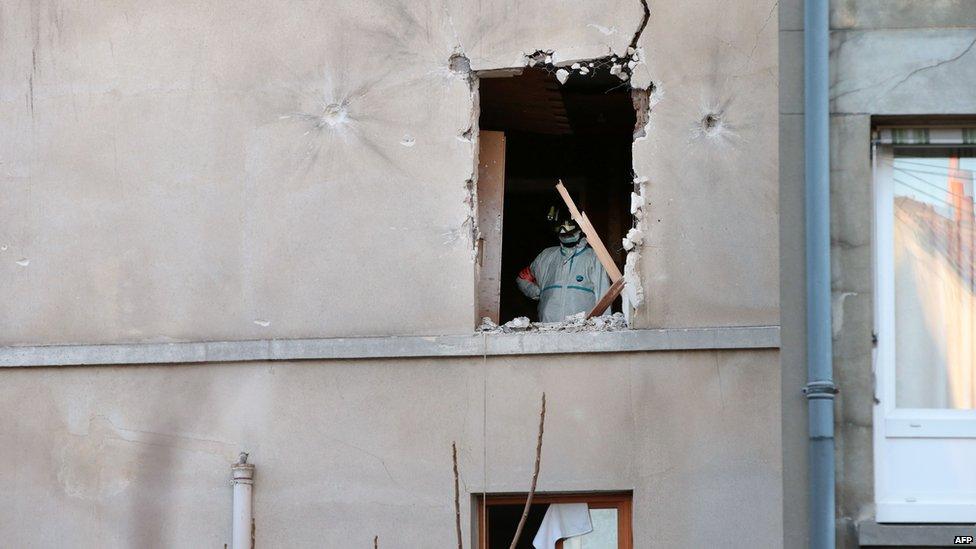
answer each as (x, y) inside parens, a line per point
(562, 520)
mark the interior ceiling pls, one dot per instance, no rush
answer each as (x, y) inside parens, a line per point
(535, 102)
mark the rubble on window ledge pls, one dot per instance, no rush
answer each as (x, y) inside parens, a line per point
(573, 323)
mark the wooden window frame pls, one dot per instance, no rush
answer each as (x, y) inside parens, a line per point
(621, 501)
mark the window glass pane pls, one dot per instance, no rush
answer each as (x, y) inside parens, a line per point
(934, 283)
(603, 536)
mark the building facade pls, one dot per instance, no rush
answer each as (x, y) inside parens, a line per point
(267, 227)
(253, 227)
(901, 428)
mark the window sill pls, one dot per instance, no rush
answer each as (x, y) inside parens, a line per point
(873, 534)
(479, 344)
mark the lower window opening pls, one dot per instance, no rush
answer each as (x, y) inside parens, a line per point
(578, 521)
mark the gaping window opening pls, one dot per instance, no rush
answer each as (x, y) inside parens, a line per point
(604, 517)
(540, 126)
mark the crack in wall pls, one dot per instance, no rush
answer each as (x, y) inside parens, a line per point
(621, 66)
(957, 57)
(835, 54)
(643, 25)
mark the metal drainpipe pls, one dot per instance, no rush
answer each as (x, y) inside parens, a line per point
(242, 474)
(820, 388)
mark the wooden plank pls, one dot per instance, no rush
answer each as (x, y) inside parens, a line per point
(607, 298)
(601, 251)
(573, 212)
(594, 239)
(491, 201)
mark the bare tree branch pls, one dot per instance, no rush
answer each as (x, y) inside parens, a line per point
(535, 475)
(457, 501)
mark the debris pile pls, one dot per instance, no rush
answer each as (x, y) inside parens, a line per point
(573, 323)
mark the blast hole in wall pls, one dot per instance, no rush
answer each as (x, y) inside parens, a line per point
(581, 132)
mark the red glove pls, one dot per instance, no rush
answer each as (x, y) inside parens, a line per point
(526, 274)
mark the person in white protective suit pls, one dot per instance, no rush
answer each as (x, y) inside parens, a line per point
(565, 279)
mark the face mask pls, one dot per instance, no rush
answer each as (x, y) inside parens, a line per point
(569, 240)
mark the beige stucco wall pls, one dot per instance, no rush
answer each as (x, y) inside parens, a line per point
(236, 170)
(171, 173)
(345, 450)
(713, 212)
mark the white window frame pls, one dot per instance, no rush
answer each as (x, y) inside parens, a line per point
(905, 437)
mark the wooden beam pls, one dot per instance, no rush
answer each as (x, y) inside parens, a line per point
(594, 239)
(573, 212)
(607, 298)
(601, 251)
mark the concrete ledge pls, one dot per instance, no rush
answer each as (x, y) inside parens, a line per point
(528, 343)
(872, 534)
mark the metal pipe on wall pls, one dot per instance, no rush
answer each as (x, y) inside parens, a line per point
(242, 474)
(820, 388)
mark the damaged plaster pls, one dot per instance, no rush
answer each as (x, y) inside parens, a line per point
(632, 243)
(709, 156)
(187, 172)
(622, 66)
(276, 126)
(573, 323)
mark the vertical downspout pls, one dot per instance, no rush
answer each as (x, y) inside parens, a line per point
(242, 474)
(820, 385)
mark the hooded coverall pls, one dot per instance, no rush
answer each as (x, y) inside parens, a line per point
(566, 281)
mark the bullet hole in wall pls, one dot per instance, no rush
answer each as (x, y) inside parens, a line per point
(459, 63)
(334, 114)
(711, 123)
